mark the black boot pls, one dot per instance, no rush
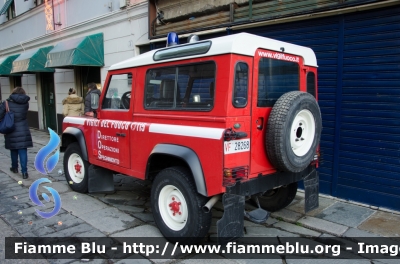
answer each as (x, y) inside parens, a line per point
(25, 175)
(15, 170)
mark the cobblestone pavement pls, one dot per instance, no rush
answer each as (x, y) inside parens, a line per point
(127, 213)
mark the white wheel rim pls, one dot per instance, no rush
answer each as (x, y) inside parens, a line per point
(173, 207)
(302, 132)
(76, 168)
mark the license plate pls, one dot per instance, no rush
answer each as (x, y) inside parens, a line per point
(236, 146)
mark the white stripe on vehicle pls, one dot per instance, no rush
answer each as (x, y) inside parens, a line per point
(74, 120)
(188, 131)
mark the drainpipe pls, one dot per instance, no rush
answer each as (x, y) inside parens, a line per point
(250, 9)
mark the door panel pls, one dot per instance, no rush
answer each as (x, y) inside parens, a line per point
(49, 100)
(113, 133)
(272, 78)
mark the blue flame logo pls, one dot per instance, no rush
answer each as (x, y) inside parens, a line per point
(35, 199)
(50, 164)
(47, 150)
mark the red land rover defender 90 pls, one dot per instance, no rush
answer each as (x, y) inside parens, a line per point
(233, 117)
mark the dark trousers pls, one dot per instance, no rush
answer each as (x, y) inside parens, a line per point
(23, 158)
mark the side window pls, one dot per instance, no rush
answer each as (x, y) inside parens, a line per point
(240, 85)
(118, 95)
(160, 88)
(275, 78)
(188, 87)
(311, 83)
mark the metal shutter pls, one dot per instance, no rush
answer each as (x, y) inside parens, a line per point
(369, 158)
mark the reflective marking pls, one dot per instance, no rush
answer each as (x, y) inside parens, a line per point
(74, 120)
(188, 131)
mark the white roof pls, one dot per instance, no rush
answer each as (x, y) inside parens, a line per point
(241, 43)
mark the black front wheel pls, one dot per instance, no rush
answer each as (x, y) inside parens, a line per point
(76, 168)
(177, 206)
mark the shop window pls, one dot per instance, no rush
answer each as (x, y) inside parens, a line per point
(89, 75)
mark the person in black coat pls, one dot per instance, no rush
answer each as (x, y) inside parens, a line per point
(92, 88)
(20, 139)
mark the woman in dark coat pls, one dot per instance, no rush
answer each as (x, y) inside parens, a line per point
(20, 139)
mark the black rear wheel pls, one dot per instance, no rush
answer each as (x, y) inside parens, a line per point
(279, 198)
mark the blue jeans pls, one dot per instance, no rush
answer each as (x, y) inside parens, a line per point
(23, 158)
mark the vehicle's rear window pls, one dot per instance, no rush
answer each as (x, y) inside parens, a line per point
(276, 77)
(187, 87)
(240, 85)
(311, 83)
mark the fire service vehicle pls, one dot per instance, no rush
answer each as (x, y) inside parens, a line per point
(231, 118)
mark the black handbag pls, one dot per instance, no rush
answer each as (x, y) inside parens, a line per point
(7, 124)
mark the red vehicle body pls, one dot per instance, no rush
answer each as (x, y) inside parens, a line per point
(196, 117)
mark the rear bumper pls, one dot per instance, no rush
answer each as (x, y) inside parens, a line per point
(268, 182)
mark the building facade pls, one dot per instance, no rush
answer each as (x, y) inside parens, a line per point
(81, 38)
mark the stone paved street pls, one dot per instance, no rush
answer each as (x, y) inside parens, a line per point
(127, 213)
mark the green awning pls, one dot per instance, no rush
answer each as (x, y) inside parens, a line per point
(5, 7)
(6, 65)
(32, 61)
(84, 51)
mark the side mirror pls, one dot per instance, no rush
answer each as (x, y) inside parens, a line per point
(94, 99)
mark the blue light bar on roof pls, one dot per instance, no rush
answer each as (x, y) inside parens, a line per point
(172, 39)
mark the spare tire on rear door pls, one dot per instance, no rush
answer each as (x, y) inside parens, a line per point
(293, 131)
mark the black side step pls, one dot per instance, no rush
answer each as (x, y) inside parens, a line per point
(258, 216)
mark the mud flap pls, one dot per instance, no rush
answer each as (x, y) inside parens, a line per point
(311, 189)
(230, 226)
(101, 180)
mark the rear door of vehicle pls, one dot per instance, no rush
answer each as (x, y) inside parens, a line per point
(274, 74)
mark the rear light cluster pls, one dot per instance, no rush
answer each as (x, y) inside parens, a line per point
(232, 175)
(317, 159)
